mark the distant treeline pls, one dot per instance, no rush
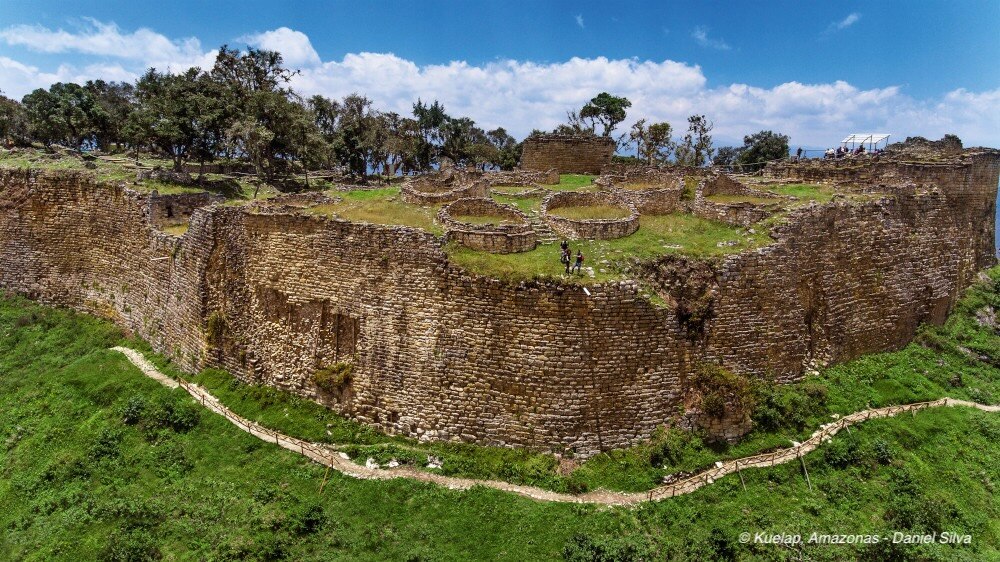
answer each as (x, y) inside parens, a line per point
(244, 108)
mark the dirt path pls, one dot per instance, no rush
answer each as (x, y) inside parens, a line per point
(328, 456)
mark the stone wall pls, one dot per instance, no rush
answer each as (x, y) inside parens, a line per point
(434, 189)
(170, 210)
(588, 229)
(516, 235)
(440, 353)
(567, 154)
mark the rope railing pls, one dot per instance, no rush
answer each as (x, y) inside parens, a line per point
(329, 457)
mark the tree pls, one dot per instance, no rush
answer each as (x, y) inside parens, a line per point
(13, 122)
(182, 115)
(606, 109)
(430, 120)
(653, 143)
(508, 150)
(574, 126)
(65, 113)
(727, 156)
(696, 148)
(116, 101)
(762, 147)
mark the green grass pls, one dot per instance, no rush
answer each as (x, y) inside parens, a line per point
(806, 191)
(177, 229)
(657, 235)
(591, 212)
(526, 205)
(100, 462)
(381, 206)
(725, 198)
(571, 182)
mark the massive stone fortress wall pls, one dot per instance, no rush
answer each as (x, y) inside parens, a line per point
(567, 154)
(437, 352)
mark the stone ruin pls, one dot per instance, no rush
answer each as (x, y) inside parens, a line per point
(439, 352)
(567, 154)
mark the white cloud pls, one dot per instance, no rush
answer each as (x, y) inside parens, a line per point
(294, 46)
(700, 35)
(848, 21)
(524, 95)
(579, 20)
(106, 39)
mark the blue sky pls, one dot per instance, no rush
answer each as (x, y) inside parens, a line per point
(812, 70)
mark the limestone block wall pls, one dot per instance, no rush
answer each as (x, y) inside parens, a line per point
(440, 353)
(169, 210)
(589, 229)
(567, 154)
(515, 236)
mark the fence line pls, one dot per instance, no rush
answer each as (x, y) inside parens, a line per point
(330, 458)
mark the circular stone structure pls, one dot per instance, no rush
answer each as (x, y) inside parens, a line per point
(590, 229)
(514, 236)
(442, 188)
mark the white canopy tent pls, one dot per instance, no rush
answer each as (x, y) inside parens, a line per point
(871, 139)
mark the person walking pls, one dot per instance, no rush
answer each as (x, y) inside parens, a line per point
(565, 259)
(579, 262)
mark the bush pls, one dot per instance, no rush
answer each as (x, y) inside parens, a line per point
(584, 548)
(333, 377)
(778, 407)
(668, 447)
(723, 392)
(215, 328)
(133, 410)
(133, 545)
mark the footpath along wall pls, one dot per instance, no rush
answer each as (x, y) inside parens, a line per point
(422, 348)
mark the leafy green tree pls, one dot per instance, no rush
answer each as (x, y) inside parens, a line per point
(653, 142)
(13, 122)
(508, 150)
(431, 119)
(65, 113)
(762, 147)
(182, 115)
(116, 101)
(727, 156)
(606, 110)
(696, 147)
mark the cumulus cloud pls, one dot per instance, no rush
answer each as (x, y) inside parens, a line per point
(525, 95)
(700, 35)
(106, 39)
(579, 20)
(293, 45)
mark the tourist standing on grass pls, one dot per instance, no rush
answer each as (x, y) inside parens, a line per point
(579, 261)
(565, 259)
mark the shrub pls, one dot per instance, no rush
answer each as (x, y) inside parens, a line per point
(134, 545)
(215, 328)
(668, 447)
(723, 392)
(333, 377)
(584, 548)
(133, 410)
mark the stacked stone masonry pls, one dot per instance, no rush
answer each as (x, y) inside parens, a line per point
(513, 235)
(567, 154)
(440, 353)
(588, 229)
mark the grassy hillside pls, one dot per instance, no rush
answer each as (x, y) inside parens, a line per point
(99, 462)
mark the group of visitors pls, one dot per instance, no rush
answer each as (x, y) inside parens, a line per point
(843, 152)
(567, 258)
